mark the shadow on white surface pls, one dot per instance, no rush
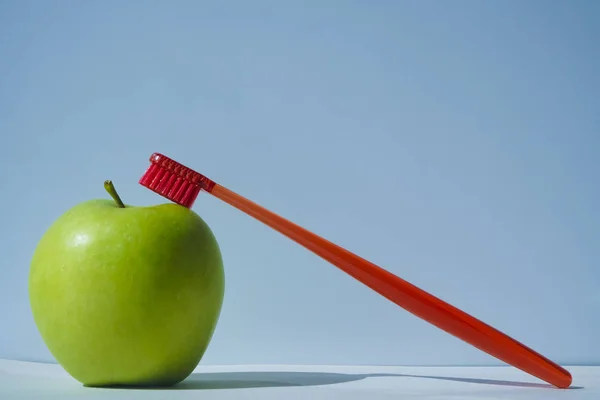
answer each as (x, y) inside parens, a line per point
(492, 382)
(256, 379)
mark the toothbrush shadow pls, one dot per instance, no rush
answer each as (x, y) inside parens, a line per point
(246, 380)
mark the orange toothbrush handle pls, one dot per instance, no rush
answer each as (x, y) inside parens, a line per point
(408, 296)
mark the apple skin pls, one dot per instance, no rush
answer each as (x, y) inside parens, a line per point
(127, 296)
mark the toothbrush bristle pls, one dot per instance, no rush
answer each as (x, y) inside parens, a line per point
(174, 181)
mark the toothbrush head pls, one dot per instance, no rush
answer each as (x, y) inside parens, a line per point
(174, 181)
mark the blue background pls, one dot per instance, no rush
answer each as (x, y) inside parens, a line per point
(454, 143)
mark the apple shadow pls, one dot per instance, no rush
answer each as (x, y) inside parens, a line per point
(260, 379)
(252, 379)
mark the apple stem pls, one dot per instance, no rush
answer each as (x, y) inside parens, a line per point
(110, 188)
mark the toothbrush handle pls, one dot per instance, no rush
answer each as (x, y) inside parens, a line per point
(408, 296)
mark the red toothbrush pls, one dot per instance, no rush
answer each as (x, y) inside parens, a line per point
(182, 185)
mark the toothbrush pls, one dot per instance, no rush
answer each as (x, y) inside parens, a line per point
(182, 185)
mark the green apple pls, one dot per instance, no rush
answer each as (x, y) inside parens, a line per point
(127, 295)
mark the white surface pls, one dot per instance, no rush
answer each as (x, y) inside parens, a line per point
(25, 380)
